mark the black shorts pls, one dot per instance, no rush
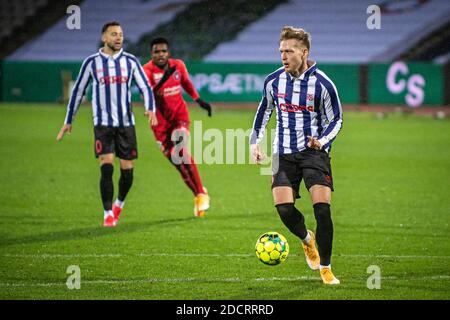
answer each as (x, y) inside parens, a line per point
(311, 165)
(118, 140)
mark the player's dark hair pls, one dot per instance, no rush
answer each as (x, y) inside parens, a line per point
(159, 40)
(109, 24)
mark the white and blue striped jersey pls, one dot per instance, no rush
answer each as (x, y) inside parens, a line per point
(306, 106)
(111, 88)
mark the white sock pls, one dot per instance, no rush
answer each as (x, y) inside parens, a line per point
(328, 266)
(119, 203)
(307, 239)
(107, 213)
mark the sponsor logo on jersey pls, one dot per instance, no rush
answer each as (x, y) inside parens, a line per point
(113, 79)
(288, 107)
(171, 91)
(157, 77)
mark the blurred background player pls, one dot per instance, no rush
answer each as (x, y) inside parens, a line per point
(309, 117)
(167, 76)
(111, 70)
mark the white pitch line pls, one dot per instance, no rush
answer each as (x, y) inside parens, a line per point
(56, 256)
(159, 280)
(206, 255)
(386, 256)
(199, 280)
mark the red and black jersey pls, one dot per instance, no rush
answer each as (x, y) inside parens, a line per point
(169, 100)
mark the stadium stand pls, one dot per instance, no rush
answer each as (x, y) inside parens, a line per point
(203, 25)
(348, 41)
(218, 31)
(137, 17)
(434, 46)
(22, 20)
(14, 14)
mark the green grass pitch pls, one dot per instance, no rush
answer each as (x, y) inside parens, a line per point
(391, 209)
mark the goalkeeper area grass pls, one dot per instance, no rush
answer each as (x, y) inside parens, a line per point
(391, 212)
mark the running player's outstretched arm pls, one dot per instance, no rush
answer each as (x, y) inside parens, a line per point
(78, 92)
(262, 117)
(149, 101)
(186, 83)
(188, 86)
(333, 112)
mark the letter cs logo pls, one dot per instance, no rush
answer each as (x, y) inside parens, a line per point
(397, 81)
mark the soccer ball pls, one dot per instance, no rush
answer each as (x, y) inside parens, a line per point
(272, 248)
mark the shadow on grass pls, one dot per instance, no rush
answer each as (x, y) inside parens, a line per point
(90, 232)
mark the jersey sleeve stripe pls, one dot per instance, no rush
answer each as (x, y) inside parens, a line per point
(144, 87)
(78, 90)
(130, 119)
(329, 86)
(335, 124)
(317, 106)
(306, 113)
(265, 109)
(96, 88)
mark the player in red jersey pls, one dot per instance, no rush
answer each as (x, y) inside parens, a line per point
(167, 76)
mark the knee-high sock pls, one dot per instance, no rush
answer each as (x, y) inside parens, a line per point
(178, 163)
(324, 232)
(106, 185)
(292, 219)
(186, 177)
(192, 170)
(125, 183)
(188, 170)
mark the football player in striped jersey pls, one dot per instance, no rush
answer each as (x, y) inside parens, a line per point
(309, 117)
(111, 71)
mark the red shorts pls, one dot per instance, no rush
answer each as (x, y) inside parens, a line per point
(165, 135)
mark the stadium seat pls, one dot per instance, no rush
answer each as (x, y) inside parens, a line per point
(14, 14)
(136, 16)
(346, 41)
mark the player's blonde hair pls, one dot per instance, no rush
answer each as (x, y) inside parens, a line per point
(289, 32)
